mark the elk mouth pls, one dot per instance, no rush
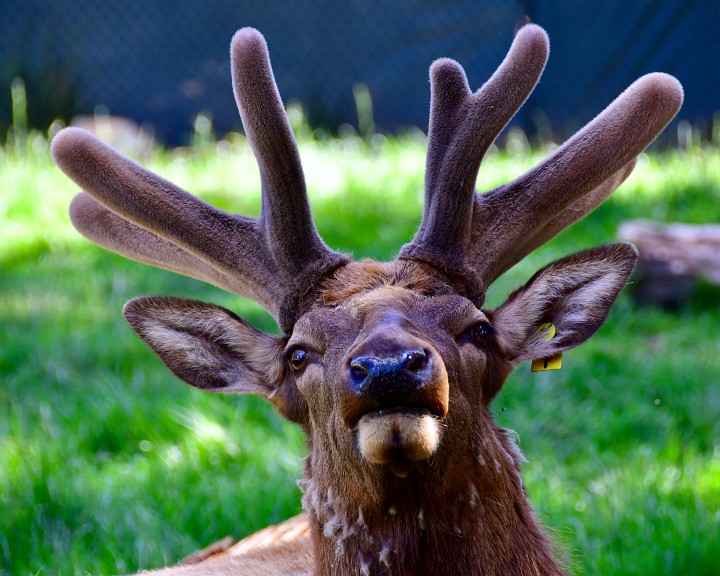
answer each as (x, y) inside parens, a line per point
(409, 410)
(398, 436)
(436, 410)
(394, 403)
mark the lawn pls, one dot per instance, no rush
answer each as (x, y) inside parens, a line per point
(109, 464)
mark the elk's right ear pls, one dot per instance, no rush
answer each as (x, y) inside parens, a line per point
(211, 348)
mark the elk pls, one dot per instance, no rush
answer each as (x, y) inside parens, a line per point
(389, 367)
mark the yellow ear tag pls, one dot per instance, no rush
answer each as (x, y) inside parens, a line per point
(553, 362)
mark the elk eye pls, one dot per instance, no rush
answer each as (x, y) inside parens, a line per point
(481, 334)
(298, 358)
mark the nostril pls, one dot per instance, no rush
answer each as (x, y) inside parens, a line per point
(415, 360)
(358, 372)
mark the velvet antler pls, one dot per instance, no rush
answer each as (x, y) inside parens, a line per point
(462, 127)
(474, 238)
(279, 259)
(276, 259)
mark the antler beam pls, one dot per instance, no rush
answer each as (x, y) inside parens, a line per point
(474, 238)
(463, 125)
(276, 259)
(510, 221)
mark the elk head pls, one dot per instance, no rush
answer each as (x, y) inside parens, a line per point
(389, 367)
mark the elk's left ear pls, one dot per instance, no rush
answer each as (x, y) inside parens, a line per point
(211, 348)
(574, 294)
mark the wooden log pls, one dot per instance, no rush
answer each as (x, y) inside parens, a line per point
(672, 258)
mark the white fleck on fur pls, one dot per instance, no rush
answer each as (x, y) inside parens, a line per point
(332, 528)
(385, 555)
(512, 453)
(361, 520)
(337, 530)
(392, 511)
(336, 526)
(517, 456)
(474, 496)
(310, 499)
(421, 519)
(364, 568)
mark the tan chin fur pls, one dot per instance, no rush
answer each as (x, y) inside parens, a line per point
(396, 437)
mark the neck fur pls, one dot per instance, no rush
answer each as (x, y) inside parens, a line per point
(465, 516)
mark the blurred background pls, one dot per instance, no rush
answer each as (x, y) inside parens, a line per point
(159, 63)
(109, 464)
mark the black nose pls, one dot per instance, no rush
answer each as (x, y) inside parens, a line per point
(389, 378)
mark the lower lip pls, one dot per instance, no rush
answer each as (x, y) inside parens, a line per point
(405, 410)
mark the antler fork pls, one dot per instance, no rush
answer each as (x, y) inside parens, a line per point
(275, 259)
(474, 238)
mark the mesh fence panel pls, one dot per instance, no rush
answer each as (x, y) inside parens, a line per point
(162, 62)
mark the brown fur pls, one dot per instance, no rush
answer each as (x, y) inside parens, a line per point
(460, 506)
(367, 275)
(388, 367)
(284, 558)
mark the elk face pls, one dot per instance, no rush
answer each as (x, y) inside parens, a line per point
(380, 388)
(371, 375)
(391, 367)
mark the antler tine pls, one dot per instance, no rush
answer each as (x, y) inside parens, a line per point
(285, 217)
(229, 243)
(462, 127)
(275, 260)
(565, 218)
(107, 229)
(539, 203)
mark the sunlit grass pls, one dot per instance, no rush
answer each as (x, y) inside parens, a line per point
(109, 464)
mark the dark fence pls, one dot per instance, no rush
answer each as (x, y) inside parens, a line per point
(161, 62)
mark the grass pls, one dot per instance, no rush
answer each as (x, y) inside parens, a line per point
(109, 464)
